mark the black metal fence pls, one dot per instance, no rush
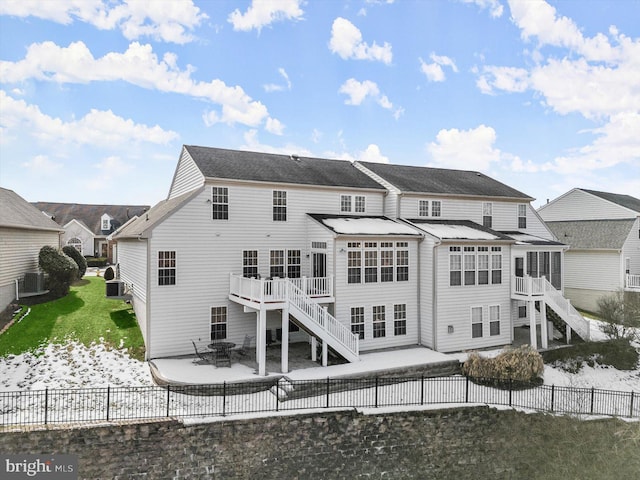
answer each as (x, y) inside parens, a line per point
(128, 403)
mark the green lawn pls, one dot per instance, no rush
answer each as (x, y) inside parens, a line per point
(84, 315)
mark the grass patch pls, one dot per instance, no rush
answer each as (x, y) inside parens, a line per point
(618, 353)
(84, 315)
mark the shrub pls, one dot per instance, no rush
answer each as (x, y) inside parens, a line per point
(96, 261)
(620, 312)
(77, 257)
(62, 270)
(108, 274)
(523, 364)
(618, 353)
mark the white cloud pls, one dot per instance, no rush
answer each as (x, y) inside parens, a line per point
(509, 79)
(434, 71)
(372, 154)
(265, 12)
(253, 144)
(274, 126)
(464, 149)
(275, 87)
(346, 41)
(110, 169)
(161, 20)
(138, 65)
(97, 128)
(359, 91)
(316, 135)
(42, 165)
(494, 6)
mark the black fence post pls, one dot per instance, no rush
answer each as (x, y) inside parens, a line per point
(327, 392)
(224, 398)
(422, 390)
(631, 407)
(553, 392)
(466, 390)
(108, 400)
(510, 390)
(376, 397)
(593, 391)
(168, 398)
(46, 405)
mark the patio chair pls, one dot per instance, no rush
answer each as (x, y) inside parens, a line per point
(207, 357)
(244, 348)
(222, 355)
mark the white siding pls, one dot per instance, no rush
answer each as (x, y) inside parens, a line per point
(391, 201)
(132, 255)
(592, 270)
(209, 250)
(631, 249)
(368, 295)
(454, 307)
(19, 249)
(427, 273)
(579, 205)
(187, 176)
(74, 230)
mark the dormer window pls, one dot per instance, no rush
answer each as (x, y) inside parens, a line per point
(352, 203)
(105, 222)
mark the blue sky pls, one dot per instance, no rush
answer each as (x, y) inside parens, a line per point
(98, 96)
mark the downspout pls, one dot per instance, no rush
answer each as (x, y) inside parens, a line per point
(419, 291)
(148, 299)
(434, 296)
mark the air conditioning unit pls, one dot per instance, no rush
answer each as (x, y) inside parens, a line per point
(115, 288)
(33, 282)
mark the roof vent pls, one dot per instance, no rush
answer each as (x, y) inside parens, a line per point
(294, 157)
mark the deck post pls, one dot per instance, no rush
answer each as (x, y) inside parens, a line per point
(285, 340)
(533, 334)
(544, 335)
(262, 342)
(314, 349)
(324, 353)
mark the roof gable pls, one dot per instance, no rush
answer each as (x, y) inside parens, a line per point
(91, 215)
(16, 212)
(626, 201)
(272, 168)
(427, 180)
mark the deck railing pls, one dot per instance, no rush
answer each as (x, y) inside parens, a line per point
(529, 286)
(633, 281)
(275, 289)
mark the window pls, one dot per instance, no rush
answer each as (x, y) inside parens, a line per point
(276, 263)
(250, 263)
(386, 261)
(455, 266)
(400, 319)
(345, 203)
(293, 264)
(357, 321)
(379, 326)
(522, 311)
(105, 222)
(166, 268)
(75, 243)
(218, 323)
(423, 208)
(279, 206)
(436, 208)
(360, 206)
(522, 216)
(469, 266)
(487, 214)
(494, 320)
(402, 261)
(483, 265)
(354, 263)
(220, 203)
(476, 322)
(371, 262)
(496, 265)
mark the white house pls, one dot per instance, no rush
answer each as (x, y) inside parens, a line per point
(603, 232)
(358, 256)
(24, 230)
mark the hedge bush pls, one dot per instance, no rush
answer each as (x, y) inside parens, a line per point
(109, 274)
(618, 353)
(77, 257)
(62, 270)
(96, 261)
(523, 365)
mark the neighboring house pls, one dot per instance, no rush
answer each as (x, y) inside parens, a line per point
(358, 256)
(87, 227)
(24, 230)
(603, 232)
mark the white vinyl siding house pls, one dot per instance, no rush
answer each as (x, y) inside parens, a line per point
(603, 231)
(346, 239)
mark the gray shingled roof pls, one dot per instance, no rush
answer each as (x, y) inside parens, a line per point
(442, 181)
(90, 215)
(608, 234)
(16, 212)
(267, 167)
(626, 201)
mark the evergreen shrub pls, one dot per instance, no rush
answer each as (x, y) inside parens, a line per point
(77, 257)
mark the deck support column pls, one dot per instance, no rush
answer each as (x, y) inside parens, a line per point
(261, 344)
(325, 354)
(544, 335)
(285, 340)
(533, 334)
(314, 349)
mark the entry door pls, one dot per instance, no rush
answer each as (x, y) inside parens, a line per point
(519, 267)
(319, 264)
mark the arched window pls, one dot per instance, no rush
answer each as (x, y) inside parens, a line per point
(75, 243)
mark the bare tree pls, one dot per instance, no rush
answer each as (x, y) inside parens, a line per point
(621, 313)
